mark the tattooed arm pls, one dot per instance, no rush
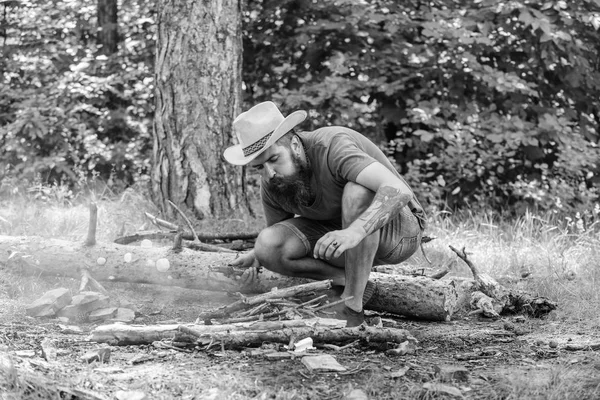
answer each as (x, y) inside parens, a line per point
(388, 202)
(391, 195)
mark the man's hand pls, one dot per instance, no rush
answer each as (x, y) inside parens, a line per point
(333, 244)
(250, 262)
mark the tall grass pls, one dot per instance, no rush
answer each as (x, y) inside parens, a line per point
(550, 255)
(559, 254)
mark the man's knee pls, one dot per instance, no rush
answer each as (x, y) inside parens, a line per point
(272, 248)
(355, 199)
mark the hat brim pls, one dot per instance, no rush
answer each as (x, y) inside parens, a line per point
(235, 154)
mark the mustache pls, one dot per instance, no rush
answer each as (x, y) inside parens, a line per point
(291, 191)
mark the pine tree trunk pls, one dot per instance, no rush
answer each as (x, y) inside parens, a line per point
(198, 92)
(108, 26)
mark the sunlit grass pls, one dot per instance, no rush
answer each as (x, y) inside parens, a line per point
(558, 255)
(546, 255)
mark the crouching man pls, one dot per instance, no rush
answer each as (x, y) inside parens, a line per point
(334, 204)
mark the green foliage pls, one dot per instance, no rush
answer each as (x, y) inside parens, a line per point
(481, 102)
(69, 112)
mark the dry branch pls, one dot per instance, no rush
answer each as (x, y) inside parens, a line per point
(241, 335)
(288, 292)
(497, 298)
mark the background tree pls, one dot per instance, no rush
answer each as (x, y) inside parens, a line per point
(480, 103)
(198, 91)
(108, 26)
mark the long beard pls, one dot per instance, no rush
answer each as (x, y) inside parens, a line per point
(293, 191)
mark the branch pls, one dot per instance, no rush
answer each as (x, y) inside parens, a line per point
(187, 221)
(161, 222)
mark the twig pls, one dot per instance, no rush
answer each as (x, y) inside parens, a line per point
(160, 235)
(91, 236)
(209, 247)
(161, 222)
(289, 291)
(444, 271)
(334, 303)
(462, 254)
(313, 301)
(254, 310)
(188, 222)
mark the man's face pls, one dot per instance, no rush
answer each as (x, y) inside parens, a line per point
(285, 175)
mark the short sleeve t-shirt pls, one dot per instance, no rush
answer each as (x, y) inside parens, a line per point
(337, 155)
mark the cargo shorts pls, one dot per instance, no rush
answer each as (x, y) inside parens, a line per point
(400, 238)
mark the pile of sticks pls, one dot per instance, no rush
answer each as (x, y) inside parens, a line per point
(284, 303)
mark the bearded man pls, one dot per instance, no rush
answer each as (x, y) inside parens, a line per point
(334, 204)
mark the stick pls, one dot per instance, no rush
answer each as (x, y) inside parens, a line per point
(318, 334)
(463, 256)
(444, 271)
(88, 280)
(328, 305)
(289, 292)
(209, 247)
(161, 222)
(91, 236)
(188, 222)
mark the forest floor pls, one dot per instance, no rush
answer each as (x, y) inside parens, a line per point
(514, 357)
(509, 358)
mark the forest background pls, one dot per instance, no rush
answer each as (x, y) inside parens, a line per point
(480, 103)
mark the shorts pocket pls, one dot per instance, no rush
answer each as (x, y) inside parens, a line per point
(405, 248)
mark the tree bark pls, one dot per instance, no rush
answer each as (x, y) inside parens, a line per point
(198, 92)
(418, 297)
(108, 26)
(242, 335)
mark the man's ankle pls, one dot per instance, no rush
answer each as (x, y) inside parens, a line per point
(354, 305)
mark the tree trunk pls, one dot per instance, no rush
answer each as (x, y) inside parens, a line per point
(198, 92)
(108, 26)
(418, 297)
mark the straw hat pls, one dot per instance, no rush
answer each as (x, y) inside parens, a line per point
(257, 129)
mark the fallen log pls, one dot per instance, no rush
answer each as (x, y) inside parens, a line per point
(418, 297)
(243, 335)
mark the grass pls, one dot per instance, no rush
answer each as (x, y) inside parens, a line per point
(559, 254)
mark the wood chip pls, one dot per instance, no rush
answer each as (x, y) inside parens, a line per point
(322, 363)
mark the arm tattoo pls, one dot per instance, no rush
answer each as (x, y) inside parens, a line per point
(387, 203)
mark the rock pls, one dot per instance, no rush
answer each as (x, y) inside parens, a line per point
(403, 349)
(127, 304)
(356, 394)
(448, 373)
(49, 350)
(49, 303)
(130, 395)
(322, 363)
(84, 303)
(399, 373)
(124, 315)
(553, 344)
(440, 388)
(102, 314)
(279, 355)
(102, 355)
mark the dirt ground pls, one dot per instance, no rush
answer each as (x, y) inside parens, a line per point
(511, 358)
